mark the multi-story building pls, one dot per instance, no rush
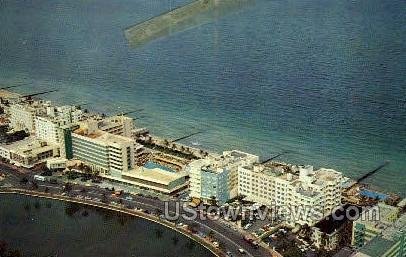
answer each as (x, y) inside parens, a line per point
(53, 126)
(104, 152)
(316, 191)
(29, 151)
(117, 125)
(380, 231)
(113, 157)
(216, 177)
(372, 222)
(334, 231)
(22, 117)
(49, 129)
(68, 113)
(214, 184)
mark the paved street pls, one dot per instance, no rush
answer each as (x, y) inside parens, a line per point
(229, 239)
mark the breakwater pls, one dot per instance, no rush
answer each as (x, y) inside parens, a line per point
(194, 14)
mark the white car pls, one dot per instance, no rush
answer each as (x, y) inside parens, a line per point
(247, 226)
(242, 251)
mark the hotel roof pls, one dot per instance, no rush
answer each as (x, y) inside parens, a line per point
(155, 175)
(102, 136)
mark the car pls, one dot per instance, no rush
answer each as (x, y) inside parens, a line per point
(247, 226)
(216, 244)
(229, 254)
(242, 251)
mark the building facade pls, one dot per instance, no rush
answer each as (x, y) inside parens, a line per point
(29, 152)
(216, 177)
(104, 152)
(22, 117)
(314, 193)
(372, 223)
(117, 125)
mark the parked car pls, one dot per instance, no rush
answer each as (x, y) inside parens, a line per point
(242, 251)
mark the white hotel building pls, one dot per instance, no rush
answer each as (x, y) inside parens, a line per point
(104, 152)
(319, 191)
(217, 176)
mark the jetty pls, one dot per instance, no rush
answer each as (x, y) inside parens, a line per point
(179, 19)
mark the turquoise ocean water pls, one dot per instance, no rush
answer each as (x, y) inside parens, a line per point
(322, 79)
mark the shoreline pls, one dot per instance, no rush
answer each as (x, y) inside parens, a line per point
(147, 217)
(213, 151)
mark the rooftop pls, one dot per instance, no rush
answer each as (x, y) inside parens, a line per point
(102, 136)
(29, 145)
(328, 225)
(155, 175)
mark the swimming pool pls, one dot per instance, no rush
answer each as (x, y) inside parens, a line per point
(373, 195)
(153, 165)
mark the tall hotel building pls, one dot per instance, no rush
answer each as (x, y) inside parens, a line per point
(318, 190)
(104, 152)
(216, 177)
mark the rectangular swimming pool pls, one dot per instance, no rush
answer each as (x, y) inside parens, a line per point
(154, 165)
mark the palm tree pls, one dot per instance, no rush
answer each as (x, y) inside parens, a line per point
(210, 234)
(158, 211)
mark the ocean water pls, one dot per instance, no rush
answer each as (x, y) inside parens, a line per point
(322, 79)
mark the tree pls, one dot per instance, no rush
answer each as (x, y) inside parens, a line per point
(210, 234)
(24, 180)
(104, 199)
(158, 211)
(67, 187)
(46, 190)
(34, 185)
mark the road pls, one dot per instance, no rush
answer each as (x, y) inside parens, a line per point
(229, 239)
